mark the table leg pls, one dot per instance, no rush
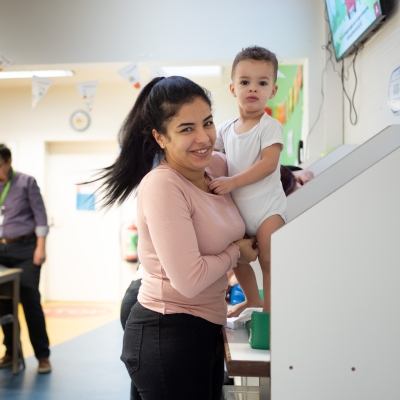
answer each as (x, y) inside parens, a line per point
(265, 388)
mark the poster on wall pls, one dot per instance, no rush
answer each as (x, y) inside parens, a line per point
(86, 197)
(287, 108)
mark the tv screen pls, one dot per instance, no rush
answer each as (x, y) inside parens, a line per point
(351, 21)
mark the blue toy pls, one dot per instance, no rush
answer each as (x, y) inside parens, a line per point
(236, 295)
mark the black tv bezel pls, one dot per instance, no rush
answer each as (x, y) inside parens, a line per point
(387, 7)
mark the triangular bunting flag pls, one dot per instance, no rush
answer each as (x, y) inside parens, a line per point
(155, 72)
(39, 87)
(4, 61)
(280, 74)
(87, 90)
(131, 74)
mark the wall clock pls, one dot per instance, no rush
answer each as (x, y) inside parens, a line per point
(80, 120)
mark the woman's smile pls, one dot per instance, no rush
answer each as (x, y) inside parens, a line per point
(202, 152)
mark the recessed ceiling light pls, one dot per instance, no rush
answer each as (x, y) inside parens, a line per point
(193, 70)
(40, 74)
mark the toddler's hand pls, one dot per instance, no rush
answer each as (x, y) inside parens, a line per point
(222, 185)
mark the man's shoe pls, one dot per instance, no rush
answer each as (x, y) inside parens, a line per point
(6, 361)
(44, 366)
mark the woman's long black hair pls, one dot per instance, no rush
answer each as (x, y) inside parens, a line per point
(288, 180)
(159, 101)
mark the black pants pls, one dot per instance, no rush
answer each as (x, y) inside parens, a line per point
(128, 302)
(173, 356)
(20, 255)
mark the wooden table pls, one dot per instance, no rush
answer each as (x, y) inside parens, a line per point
(243, 361)
(11, 275)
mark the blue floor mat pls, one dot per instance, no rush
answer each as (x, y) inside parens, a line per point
(84, 368)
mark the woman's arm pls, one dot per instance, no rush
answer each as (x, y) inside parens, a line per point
(258, 171)
(167, 215)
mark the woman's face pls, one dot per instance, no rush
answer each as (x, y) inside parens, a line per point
(190, 138)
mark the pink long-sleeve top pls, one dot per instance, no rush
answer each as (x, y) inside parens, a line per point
(185, 243)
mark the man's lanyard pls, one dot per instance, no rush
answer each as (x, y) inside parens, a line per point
(6, 188)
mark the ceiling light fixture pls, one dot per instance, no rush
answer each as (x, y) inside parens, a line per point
(194, 71)
(40, 74)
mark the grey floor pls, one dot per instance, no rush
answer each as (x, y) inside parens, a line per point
(84, 368)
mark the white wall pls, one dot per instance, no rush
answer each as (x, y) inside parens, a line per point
(27, 131)
(57, 32)
(374, 65)
(30, 128)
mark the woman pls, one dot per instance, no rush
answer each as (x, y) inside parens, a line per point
(294, 178)
(189, 239)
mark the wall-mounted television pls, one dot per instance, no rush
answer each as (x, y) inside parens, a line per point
(352, 22)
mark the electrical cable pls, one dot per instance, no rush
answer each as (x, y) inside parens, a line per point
(351, 101)
(329, 60)
(343, 77)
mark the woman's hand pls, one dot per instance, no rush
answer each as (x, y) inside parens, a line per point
(248, 250)
(303, 176)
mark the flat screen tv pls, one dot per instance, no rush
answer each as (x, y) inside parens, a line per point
(352, 22)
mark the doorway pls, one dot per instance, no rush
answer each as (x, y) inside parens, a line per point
(83, 250)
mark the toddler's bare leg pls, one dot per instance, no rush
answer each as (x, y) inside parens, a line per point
(267, 228)
(247, 280)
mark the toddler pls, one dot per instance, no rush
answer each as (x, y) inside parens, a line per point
(252, 144)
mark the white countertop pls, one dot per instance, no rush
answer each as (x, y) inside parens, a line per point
(240, 349)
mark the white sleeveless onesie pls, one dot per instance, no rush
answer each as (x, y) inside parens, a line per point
(260, 200)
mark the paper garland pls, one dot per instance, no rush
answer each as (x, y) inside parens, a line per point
(4, 61)
(39, 88)
(87, 90)
(131, 74)
(156, 72)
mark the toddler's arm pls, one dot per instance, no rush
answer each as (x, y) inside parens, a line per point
(260, 170)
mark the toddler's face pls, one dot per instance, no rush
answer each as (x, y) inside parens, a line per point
(253, 84)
